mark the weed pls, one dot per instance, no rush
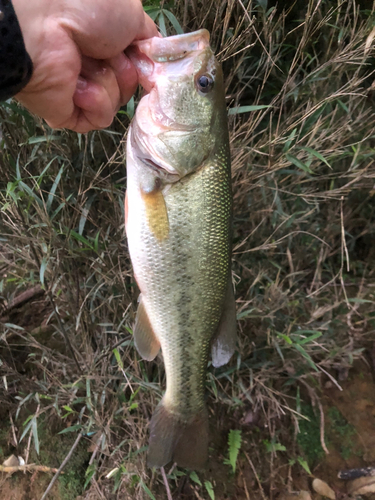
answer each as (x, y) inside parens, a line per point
(342, 433)
(234, 445)
(308, 437)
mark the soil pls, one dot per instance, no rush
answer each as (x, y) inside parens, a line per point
(349, 434)
(26, 487)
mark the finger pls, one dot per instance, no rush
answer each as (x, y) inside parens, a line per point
(147, 30)
(126, 76)
(107, 31)
(97, 94)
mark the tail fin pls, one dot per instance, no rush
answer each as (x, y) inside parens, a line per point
(174, 439)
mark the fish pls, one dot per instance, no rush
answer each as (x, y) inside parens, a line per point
(178, 220)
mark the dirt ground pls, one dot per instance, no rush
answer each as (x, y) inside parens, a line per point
(349, 434)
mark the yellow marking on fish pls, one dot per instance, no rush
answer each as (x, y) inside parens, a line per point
(156, 214)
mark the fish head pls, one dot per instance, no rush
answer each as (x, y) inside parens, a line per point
(180, 118)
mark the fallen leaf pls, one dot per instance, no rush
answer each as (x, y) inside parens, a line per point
(323, 489)
(362, 486)
(12, 461)
(295, 495)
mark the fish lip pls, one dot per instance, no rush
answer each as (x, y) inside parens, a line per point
(171, 48)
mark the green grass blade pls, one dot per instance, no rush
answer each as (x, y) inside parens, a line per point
(246, 109)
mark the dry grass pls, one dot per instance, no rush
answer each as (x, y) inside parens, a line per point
(303, 174)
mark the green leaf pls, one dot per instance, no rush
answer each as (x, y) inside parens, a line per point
(304, 464)
(210, 489)
(289, 140)
(51, 195)
(317, 155)
(246, 109)
(302, 351)
(26, 430)
(43, 267)
(90, 473)
(24, 187)
(34, 427)
(146, 489)
(12, 325)
(43, 138)
(73, 428)
(130, 108)
(273, 447)
(234, 445)
(298, 163)
(85, 212)
(194, 477)
(82, 239)
(118, 358)
(309, 339)
(174, 22)
(161, 22)
(287, 339)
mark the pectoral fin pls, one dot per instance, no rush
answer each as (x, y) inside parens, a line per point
(156, 213)
(145, 339)
(224, 342)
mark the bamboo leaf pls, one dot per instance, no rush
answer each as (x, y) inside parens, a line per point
(34, 426)
(246, 109)
(317, 155)
(298, 163)
(173, 22)
(147, 490)
(51, 195)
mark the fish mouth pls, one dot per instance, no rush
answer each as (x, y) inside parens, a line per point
(148, 57)
(162, 50)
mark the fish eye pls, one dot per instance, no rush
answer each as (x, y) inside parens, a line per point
(205, 83)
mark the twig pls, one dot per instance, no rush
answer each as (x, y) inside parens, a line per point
(165, 479)
(13, 429)
(245, 487)
(322, 441)
(26, 468)
(22, 298)
(65, 461)
(256, 476)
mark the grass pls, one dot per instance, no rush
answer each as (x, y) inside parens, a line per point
(299, 82)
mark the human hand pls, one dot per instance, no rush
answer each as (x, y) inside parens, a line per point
(81, 75)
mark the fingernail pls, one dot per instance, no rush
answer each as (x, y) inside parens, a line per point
(81, 83)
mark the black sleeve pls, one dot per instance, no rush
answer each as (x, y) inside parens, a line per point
(15, 64)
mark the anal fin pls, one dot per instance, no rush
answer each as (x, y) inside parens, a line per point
(224, 342)
(145, 339)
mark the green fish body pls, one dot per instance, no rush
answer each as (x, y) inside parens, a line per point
(178, 223)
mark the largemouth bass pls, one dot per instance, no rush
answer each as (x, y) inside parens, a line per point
(178, 225)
